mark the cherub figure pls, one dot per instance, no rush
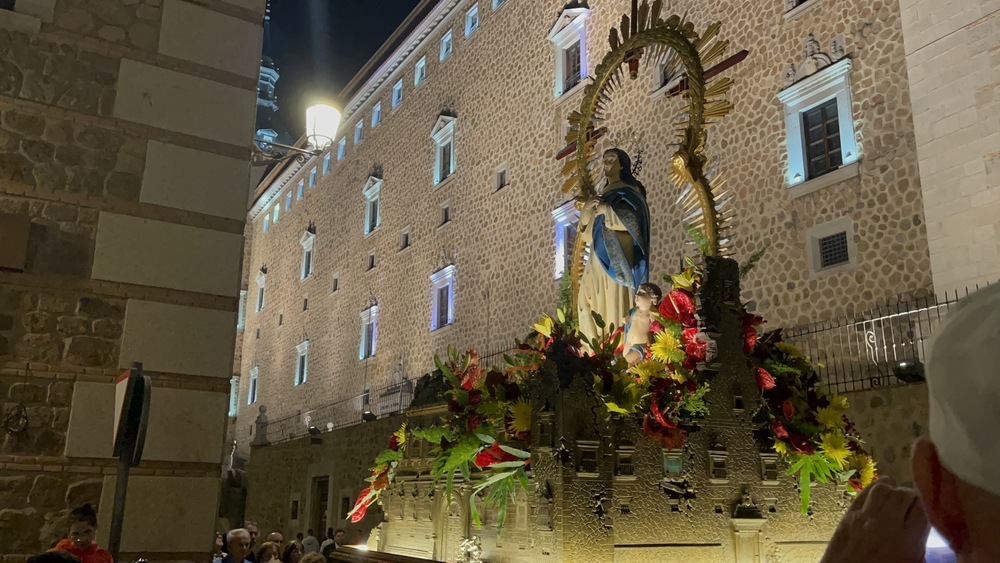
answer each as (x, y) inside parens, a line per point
(640, 321)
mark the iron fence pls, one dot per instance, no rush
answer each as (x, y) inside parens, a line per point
(885, 345)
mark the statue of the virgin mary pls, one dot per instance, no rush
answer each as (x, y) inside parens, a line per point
(615, 225)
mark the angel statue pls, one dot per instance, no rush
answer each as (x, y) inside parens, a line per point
(615, 225)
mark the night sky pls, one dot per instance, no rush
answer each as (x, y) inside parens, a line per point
(323, 43)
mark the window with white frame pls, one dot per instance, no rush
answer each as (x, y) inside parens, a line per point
(443, 297)
(376, 114)
(819, 123)
(359, 132)
(252, 388)
(341, 149)
(267, 222)
(569, 41)
(326, 163)
(718, 466)
(300, 189)
(769, 468)
(241, 315)
(472, 20)
(277, 211)
(673, 464)
(501, 177)
(234, 395)
(443, 135)
(397, 93)
(302, 362)
(447, 45)
(498, 3)
(308, 242)
(420, 71)
(373, 204)
(566, 218)
(369, 332)
(312, 177)
(261, 284)
(288, 200)
(830, 247)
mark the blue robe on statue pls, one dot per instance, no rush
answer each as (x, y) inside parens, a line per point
(630, 207)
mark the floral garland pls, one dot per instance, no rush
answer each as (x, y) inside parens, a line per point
(808, 425)
(487, 428)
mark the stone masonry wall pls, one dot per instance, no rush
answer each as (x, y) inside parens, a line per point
(890, 420)
(502, 242)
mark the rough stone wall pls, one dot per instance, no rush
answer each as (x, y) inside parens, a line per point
(502, 242)
(951, 59)
(890, 420)
(109, 146)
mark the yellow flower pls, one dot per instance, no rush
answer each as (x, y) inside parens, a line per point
(645, 370)
(834, 446)
(839, 402)
(685, 280)
(544, 326)
(520, 414)
(400, 434)
(865, 466)
(780, 447)
(830, 417)
(677, 376)
(666, 348)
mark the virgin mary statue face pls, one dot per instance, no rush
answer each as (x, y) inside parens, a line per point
(612, 165)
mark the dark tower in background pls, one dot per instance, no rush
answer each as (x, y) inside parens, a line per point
(269, 127)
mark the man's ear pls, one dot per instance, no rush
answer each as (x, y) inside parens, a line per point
(939, 492)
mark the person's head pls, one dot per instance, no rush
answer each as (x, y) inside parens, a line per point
(292, 552)
(338, 536)
(82, 525)
(313, 558)
(957, 468)
(238, 542)
(54, 557)
(298, 536)
(251, 527)
(268, 551)
(309, 532)
(276, 538)
(329, 533)
(648, 296)
(327, 550)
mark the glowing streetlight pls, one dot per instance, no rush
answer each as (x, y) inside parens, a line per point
(322, 121)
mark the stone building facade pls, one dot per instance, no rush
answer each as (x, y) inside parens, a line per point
(381, 225)
(125, 129)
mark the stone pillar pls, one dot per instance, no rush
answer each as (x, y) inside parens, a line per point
(953, 73)
(125, 129)
(747, 535)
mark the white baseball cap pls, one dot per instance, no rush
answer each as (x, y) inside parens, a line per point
(963, 382)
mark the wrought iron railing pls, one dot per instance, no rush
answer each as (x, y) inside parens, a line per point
(885, 345)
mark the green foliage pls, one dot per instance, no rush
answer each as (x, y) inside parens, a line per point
(388, 456)
(752, 261)
(698, 237)
(809, 467)
(625, 395)
(695, 405)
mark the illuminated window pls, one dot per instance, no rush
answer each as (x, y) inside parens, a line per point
(359, 132)
(234, 395)
(308, 242)
(288, 200)
(673, 464)
(443, 135)
(420, 71)
(443, 297)
(312, 177)
(277, 211)
(302, 362)
(566, 217)
(369, 332)
(373, 206)
(261, 283)
(397, 94)
(819, 124)
(241, 315)
(569, 41)
(267, 222)
(447, 45)
(252, 388)
(326, 163)
(498, 3)
(376, 114)
(299, 189)
(341, 148)
(472, 20)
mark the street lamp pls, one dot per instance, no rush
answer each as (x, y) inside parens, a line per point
(322, 121)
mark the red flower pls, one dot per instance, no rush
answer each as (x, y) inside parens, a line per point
(778, 429)
(473, 422)
(492, 455)
(472, 376)
(360, 507)
(475, 397)
(693, 345)
(802, 444)
(855, 484)
(453, 406)
(670, 438)
(765, 380)
(381, 481)
(393, 443)
(749, 339)
(679, 306)
(788, 409)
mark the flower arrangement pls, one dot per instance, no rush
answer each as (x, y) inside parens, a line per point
(807, 424)
(486, 433)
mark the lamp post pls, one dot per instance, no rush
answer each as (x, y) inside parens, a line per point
(322, 121)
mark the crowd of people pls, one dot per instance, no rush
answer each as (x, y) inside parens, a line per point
(240, 546)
